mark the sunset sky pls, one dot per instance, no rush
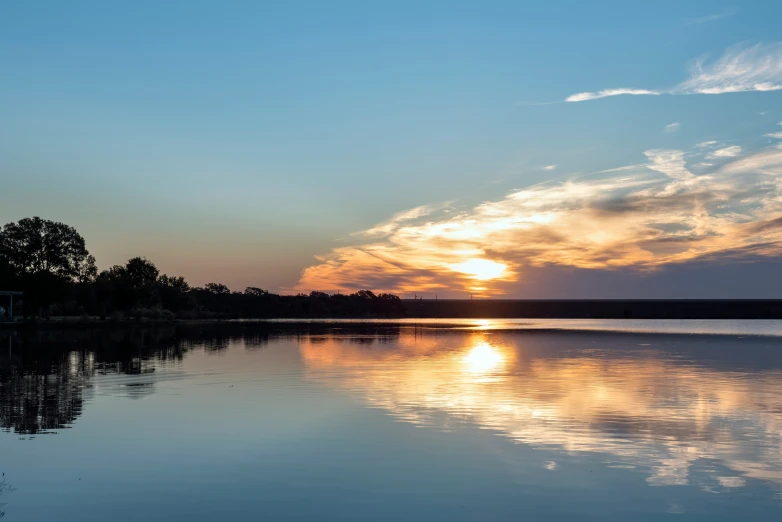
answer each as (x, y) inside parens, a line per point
(513, 149)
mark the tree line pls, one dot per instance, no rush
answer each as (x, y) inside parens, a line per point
(50, 263)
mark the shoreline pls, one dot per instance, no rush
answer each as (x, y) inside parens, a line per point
(458, 310)
(717, 328)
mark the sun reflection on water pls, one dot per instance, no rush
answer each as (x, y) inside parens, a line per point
(483, 358)
(645, 409)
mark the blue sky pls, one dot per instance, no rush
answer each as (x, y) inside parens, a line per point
(235, 141)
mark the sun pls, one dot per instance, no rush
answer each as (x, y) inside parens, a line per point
(481, 269)
(483, 358)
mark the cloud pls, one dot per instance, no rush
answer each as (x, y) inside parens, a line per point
(726, 152)
(775, 135)
(399, 218)
(550, 167)
(706, 144)
(710, 18)
(739, 69)
(586, 96)
(672, 127)
(640, 217)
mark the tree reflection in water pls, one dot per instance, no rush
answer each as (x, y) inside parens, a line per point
(46, 375)
(670, 405)
(5, 487)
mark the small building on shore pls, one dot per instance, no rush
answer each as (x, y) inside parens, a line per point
(7, 311)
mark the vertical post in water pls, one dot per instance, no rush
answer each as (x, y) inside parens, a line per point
(11, 308)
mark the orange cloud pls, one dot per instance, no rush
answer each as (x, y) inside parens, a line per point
(642, 216)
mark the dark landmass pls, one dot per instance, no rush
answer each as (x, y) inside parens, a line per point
(48, 262)
(595, 308)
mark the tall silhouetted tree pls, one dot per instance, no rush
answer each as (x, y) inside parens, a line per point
(44, 257)
(142, 275)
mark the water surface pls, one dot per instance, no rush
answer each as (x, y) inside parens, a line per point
(412, 420)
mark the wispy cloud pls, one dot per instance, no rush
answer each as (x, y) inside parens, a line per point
(605, 93)
(643, 217)
(550, 167)
(776, 135)
(726, 152)
(711, 18)
(672, 127)
(739, 69)
(400, 218)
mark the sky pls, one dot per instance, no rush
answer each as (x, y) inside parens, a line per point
(509, 149)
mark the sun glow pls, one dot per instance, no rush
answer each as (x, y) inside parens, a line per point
(652, 214)
(483, 358)
(481, 269)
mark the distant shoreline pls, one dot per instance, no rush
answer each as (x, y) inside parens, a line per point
(594, 308)
(446, 309)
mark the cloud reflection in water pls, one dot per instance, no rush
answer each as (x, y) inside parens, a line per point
(660, 408)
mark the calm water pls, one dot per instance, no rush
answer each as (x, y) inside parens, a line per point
(479, 420)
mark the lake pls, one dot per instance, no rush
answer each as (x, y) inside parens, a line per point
(394, 420)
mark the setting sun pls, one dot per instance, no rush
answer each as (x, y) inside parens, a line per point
(481, 269)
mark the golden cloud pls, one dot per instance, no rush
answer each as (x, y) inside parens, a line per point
(643, 216)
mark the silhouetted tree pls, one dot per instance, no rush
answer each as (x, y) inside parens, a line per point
(363, 294)
(130, 286)
(50, 263)
(141, 273)
(217, 288)
(38, 245)
(173, 293)
(44, 257)
(115, 291)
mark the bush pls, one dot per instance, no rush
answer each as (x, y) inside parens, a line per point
(152, 314)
